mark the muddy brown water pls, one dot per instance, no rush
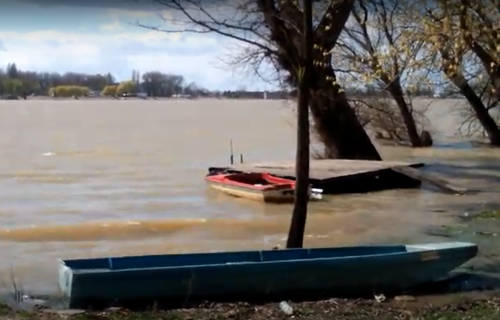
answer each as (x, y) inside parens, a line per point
(99, 178)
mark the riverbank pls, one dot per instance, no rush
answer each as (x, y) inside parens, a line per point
(466, 308)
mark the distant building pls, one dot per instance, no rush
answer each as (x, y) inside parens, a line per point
(264, 95)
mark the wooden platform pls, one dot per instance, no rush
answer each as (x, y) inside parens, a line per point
(339, 176)
(325, 169)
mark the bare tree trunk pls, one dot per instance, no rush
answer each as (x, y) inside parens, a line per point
(482, 114)
(396, 91)
(299, 216)
(335, 121)
(337, 124)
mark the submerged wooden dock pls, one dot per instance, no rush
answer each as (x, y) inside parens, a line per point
(339, 176)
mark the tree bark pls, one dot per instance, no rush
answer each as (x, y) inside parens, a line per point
(396, 91)
(299, 216)
(339, 128)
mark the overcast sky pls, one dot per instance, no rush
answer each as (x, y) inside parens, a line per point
(99, 36)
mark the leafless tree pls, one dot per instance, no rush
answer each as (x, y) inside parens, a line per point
(377, 46)
(381, 116)
(460, 32)
(481, 84)
(270, 30)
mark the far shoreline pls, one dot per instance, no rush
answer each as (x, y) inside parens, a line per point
(111, 98)
(44, 98)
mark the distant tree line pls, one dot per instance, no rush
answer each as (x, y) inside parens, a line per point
(20, 83)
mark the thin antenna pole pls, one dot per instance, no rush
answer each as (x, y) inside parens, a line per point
(231, 150)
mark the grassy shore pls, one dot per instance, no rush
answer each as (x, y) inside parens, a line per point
(470, 309)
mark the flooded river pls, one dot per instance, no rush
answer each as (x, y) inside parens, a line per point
(99, 178)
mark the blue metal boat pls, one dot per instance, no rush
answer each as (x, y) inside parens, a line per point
(251, 274)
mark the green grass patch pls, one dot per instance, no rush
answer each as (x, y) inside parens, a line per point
(4, 310)
(488, 214)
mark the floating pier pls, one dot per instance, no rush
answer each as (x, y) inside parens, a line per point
(339, 176)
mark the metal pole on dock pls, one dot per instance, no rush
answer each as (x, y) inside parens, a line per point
(231, 150)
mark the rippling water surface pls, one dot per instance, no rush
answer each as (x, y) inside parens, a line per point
(98, 178)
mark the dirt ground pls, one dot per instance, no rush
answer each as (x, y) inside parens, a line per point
(485, 308)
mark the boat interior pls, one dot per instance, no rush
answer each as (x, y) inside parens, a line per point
(250, 178)
(254, 178)
(199, 259)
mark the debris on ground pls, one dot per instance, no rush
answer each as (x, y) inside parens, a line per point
(286, 308)
(379, 298)
(486, 308)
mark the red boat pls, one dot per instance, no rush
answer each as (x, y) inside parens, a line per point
(255, 186)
